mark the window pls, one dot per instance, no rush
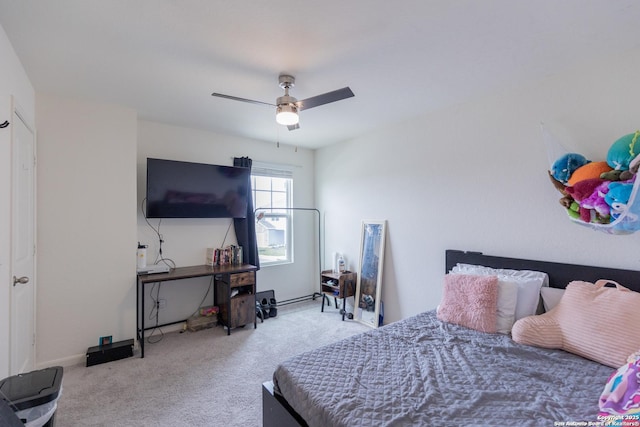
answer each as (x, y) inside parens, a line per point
(272, 200)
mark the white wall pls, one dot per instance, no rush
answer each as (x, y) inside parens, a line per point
(13, 82)
(186, 240)
(469, 177)
(86, 226)
(473, 177)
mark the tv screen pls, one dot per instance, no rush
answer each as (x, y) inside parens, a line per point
(195, 190)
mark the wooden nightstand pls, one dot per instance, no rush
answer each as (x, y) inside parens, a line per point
(339, 286)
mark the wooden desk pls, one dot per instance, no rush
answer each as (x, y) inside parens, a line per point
(226, 279)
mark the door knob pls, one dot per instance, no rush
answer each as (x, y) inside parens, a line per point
(22, 280)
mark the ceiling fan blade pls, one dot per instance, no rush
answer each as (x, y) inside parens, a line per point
(325, 98)
(235, 98)
(294, 127)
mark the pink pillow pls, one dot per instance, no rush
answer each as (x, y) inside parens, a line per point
(470, 301)
(592, 321)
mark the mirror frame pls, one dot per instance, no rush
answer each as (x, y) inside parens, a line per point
(372, 242)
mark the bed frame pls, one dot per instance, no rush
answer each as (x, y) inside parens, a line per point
(276, 412)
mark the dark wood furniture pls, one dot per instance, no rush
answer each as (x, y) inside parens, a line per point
(277, 411)
(236, 298)
(337, 286)
(234, 310)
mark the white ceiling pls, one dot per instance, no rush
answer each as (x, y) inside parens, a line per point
(401, 58)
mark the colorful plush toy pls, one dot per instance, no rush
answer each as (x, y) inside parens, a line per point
(573, 210)
(588, 171)
(600, 192)
(596, 201)
(582, 191)
(620, 400)
(613, 175)
(557, 184)
(618, 196)
(623, 151)
(566, 199)
(564, 167)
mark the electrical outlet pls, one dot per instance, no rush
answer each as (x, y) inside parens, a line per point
(162, 303)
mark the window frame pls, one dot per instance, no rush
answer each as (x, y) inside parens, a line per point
(275, 212)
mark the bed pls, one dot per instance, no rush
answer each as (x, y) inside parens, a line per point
(423, 371)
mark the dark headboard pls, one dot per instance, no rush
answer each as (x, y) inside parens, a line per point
(559, 274)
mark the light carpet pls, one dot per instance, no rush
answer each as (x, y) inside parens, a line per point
(203, 378)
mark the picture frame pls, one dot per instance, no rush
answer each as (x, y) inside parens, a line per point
(104, 341)
(368, 303)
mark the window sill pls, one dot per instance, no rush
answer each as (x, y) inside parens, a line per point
(275, 263)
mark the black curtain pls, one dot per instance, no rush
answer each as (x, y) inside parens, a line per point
(246, 227)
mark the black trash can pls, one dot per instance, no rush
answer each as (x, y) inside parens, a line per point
(34, 395)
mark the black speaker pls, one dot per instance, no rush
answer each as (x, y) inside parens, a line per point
(109, 352)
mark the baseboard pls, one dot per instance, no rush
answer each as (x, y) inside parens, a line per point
(76, 359)
(166, 329)
(81, 358)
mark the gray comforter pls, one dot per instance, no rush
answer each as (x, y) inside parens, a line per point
(423, 372)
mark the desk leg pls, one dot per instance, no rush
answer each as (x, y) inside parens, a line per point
(138, 310)
(228, 305)
(142, 323)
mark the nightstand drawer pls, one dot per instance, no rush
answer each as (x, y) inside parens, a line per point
(241, 279)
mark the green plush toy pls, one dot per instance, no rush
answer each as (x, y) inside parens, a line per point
(574, 210)
(613, 175)
(623, 151)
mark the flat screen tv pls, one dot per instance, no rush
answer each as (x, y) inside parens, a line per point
(178, 189)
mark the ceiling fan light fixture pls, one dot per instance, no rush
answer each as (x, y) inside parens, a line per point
(287, 114)
(287, 107)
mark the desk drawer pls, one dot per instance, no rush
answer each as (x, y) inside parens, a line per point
(243, 310)
(241, 279)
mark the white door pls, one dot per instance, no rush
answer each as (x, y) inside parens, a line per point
(22, 339)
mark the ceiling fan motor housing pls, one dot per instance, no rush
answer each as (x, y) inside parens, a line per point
(286, 100)
(286, 81)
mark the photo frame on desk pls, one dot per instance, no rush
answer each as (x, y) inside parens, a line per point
(106, 340)
(369, 281)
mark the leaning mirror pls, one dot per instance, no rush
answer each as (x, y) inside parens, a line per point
(369, 284)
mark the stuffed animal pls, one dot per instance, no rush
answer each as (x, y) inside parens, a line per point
(557, 184)
(588, 171)
(634, 165)
(620, 399)
(566, 199)
(618, 196)
(582, 191)
(623, 151)
(596, 200)
(613, 175)
(566, 165)
(573, 210)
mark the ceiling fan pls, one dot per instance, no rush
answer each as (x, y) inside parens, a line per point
(287, 107)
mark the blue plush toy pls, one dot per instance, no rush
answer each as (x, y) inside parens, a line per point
(623, 151)
(618, 196)
(566, 165)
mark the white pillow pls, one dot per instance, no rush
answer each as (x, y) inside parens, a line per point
(506, 311)
(529, 283)
(551, 297)
(506, 307)
(524, 274)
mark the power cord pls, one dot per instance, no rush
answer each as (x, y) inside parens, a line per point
(225, 234)
(155, 312)
(160, 258)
